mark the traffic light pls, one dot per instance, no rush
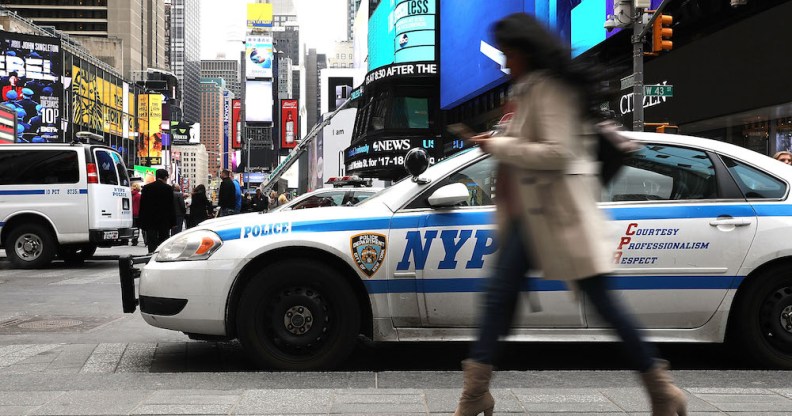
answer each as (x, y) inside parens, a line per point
(667, 128)
(661, 33)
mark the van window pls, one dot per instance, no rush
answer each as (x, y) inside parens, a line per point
(106, 167)
(38, 167)
(121, 169)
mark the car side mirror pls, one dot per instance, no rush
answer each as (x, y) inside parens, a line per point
(449, 196)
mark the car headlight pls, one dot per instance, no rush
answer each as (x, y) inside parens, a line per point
(191, 246)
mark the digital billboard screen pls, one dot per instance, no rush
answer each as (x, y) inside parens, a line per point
(30, 78)
(258, 52)
(402, 31)
(339, 89)
(259, 16)
(470, 62)
(236, 124)
(258, 101)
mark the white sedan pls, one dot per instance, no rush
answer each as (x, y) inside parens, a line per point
(701, 240)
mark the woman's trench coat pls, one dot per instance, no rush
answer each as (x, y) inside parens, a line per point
(550, 162)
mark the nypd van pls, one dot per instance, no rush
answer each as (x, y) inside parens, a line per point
(62, 200)
(701, 235)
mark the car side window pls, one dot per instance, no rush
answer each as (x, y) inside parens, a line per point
(664, 173)
(754, 183)
(479, 178)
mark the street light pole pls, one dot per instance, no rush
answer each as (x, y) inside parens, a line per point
(638, 68)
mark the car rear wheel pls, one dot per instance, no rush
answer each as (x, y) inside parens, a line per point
(76, 254)
(298, 315)
(763, 319)
(30, 246)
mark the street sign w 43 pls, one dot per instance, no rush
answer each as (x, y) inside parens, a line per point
(659, 90)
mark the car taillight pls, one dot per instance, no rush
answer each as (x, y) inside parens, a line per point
(93, 176)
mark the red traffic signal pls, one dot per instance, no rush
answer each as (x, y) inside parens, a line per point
(661, 33)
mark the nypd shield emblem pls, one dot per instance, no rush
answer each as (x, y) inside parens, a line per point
(368, 250)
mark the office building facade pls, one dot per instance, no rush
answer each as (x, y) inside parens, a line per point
(194, 162)
(227, 69)
(184, 54)
(212, 123)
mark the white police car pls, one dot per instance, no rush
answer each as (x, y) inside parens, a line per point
(702, 236)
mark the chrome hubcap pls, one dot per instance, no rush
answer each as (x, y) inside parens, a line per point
(28, 247)
(786, 318)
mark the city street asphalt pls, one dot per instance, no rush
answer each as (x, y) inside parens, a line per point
(67, 349)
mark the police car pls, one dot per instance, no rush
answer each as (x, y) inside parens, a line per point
(701, 239)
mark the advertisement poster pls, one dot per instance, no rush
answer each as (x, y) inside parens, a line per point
(226, 126)
(258, 52)
(145, 173)
(289, 130)
(180, 132)
(7, 125)
(258, 101)
(339, 90)
(259, 16)
(30, 80)
(236, 123)
(149, 123)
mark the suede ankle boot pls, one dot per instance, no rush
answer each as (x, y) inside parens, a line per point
(667, 399)
(476, 397)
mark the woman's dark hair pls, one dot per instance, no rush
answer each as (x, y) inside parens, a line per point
(545, 51)
(200, 189)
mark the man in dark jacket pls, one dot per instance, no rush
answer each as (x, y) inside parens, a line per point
(227, 198)
(157, 212)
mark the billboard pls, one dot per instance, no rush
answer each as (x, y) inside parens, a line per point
(470, 63)
(31, 68)
(236, 124)
(402, 31)
(259, 16)
(289, 125)
(180, 132)
(226, 125)
(339, 89)
(97, 103)
(258, 52)
(149, 133)
(258, 101)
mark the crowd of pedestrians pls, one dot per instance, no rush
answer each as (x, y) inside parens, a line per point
(160, 210)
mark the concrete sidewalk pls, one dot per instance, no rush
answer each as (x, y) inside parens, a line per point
(49, 392)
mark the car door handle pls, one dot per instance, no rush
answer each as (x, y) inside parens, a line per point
(737, 222)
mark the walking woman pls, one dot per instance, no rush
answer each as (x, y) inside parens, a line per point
(200, 208)
(547, 212)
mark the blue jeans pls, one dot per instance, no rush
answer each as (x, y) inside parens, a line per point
(501, 295)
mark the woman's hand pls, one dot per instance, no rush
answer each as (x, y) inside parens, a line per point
(482, 140)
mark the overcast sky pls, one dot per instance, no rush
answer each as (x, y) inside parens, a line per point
(322, 22)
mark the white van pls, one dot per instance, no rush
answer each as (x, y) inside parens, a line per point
(62, 199)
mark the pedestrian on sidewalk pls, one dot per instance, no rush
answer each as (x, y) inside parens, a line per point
(181, 209)
(547, 211)
(157, 213)
(227, 198)
(136, 212)
(200, 208)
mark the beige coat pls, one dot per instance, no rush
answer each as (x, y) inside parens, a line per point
(551, 166)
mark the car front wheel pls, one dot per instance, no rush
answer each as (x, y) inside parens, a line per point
(298, 315)
(763, 318)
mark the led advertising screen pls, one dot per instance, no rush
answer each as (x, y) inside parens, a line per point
(258, 101)
(402, 31)
(289, 124)
(258, 52)
(149, 128)
(236, 124)
(30, 77)
(339, 89)
(7, 125)
(470, 62)
(259, 16)
(180, 132)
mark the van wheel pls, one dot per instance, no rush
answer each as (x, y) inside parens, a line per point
(76, 254)
(763, 319)
(30, 246)
(298, 316)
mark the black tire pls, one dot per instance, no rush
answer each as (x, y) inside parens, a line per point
(296, 316)
(757, 326)
(30, 246)
(76, 253)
